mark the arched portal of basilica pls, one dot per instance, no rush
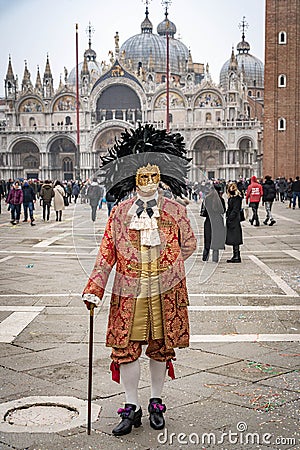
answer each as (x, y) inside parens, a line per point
(62, 159)
(25, 159)
(208, 156)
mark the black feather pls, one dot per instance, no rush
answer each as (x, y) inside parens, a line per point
(137, 148)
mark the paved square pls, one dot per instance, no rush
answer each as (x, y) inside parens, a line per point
(244, 359)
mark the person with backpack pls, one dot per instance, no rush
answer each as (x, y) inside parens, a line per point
(110, 202)
(76, 190)
(254, 194)
(269, 194)
(46, 194)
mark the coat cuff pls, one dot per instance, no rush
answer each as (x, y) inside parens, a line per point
(91, 298)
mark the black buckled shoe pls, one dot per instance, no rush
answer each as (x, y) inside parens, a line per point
(156, 410)
(130, 418)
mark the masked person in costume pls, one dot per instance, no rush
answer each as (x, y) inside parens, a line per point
(148, 237)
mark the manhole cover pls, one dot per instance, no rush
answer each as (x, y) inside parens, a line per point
(41, 414)
(45, 414)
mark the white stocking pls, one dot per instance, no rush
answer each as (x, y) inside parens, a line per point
(158, 373)
(130, 377)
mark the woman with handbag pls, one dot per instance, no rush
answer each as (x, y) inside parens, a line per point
(59, 204)
(234, 234)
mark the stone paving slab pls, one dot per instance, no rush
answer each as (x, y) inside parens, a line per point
(288, 381)
(255, 396)
(202, 383)
(201, 360)
(249, 371)
(251, 350)
(8, 350)
(12, 385)
(285, 360)
(61, 373)
(291, 410)
(40, 441)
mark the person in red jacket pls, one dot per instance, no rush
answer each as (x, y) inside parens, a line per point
(254, 194)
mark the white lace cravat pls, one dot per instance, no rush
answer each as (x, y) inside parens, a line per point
(145, 224)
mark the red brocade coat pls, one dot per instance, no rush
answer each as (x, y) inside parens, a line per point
(120, 246)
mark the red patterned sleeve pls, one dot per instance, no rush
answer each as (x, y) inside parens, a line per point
(188, 241)
(105, 261)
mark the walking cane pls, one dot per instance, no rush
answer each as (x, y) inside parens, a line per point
(90, 368)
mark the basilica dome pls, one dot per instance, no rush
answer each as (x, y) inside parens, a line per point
(252, 67)
(93, 67)
(149, 50)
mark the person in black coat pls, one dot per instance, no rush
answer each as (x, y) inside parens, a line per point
(1, 193)
(94, 193)
(234, 234)
(269, 194)
(28, 202)
(213, 208)
(296, 191)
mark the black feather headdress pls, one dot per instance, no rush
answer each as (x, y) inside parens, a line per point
(137, 148)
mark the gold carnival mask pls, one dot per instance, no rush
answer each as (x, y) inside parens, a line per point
(147, 178)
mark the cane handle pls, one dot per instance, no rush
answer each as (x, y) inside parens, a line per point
(92, 306)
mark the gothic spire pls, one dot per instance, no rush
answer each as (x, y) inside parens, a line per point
(190, 62)
(26, 82)
(47, 80)
(233, 65)
(10, 72)
(10, 82)
(47, 73)
(38, 83)
(85, 68)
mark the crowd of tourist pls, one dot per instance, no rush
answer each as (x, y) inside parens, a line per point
(286, 190)
(218, 232)
(23, 194)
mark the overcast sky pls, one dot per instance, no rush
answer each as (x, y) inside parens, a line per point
(29, 29)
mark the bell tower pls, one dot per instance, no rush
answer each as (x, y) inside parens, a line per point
(282, 89)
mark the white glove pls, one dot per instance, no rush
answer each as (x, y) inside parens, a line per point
(91, 298)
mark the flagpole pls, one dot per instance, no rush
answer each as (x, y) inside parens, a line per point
(168, 83)
(166, 3)
(77, 155)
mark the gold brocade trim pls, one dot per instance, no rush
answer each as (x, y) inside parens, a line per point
(147, 320)
(159, 269)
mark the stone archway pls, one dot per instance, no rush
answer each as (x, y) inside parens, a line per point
(104, 141)
(25, 160)
(245, 157)
(62, 153)
(208, 155)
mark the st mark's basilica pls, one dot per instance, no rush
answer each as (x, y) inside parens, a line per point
(220, 122)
